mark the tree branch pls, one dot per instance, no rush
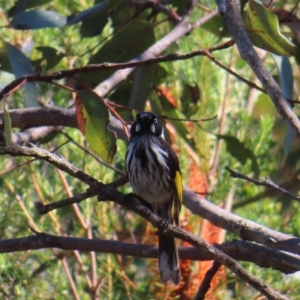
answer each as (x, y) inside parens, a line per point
(41, 116)
(181, 29)
(32, 135)
(286, 263)
(109, 193)
(42, 240)
(231, 14)
(58, 161)
(205, 284)
(150, 56)
(171, 230)
(268, 183)
(245, 229)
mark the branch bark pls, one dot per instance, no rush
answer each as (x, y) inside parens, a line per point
(231, 13)
(181, 29)
(205, 284)
(58, 161)
(41, 116)
(237, 249)
(108, 192)
(245, 229)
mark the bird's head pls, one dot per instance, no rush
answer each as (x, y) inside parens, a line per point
(146, 123)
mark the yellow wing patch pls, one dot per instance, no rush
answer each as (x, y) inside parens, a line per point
(178, 184)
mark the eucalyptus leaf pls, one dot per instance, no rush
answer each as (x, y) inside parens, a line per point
(22, 5)
(37, 19)
(50, 57)
(127, 43)
(86, 13)
(263, 30)
(240, 152)
(94, 117)
(141, 87)
(286, 80)
(21, 66)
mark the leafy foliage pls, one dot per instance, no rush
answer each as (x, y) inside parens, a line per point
(44, 37)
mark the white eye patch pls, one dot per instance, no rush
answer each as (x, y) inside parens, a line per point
(162, 133)
(138, 127)
(152, 127)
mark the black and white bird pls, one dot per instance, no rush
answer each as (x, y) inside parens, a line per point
(153, 170)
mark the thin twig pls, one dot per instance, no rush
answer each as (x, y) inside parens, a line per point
(91, 192)
(230, 10)
(266, 183)
(150, 58)
(249, 83)
(45, 208)
(245, 229)
(93, 154)
(177, 232)
(56, 160)
(205, 284)
(70, 278)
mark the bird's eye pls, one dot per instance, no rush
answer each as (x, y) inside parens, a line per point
(155, 121)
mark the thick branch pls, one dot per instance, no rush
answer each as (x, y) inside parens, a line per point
(15, 84)
(41, 116)
(43, 241)
(245, 229)
(57, 161)
(179, 233)
(108, 192)
(49, 116)
(175, 34)
(32, 135)
(233, 20)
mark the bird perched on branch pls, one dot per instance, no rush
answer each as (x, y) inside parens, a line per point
(153, 171)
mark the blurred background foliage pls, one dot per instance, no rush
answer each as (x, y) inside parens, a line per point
(247, 135)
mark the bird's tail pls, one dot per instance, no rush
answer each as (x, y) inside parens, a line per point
(168, 259)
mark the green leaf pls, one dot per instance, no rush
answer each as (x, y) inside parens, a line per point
(22, 5)
(141, 87)
(125, 44)
(50, 56)
(7, 126)
(189, 99)
(96, 115)
(286, 80)
(240, 152)
(263, 107)
(37, 19)
(87, 13)
(263, 30)
(118, 12)
(4, 61)
(215, 26)
(88, 28)
(21, 66)
(160, 74)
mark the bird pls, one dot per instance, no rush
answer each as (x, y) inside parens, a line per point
(153, 170)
